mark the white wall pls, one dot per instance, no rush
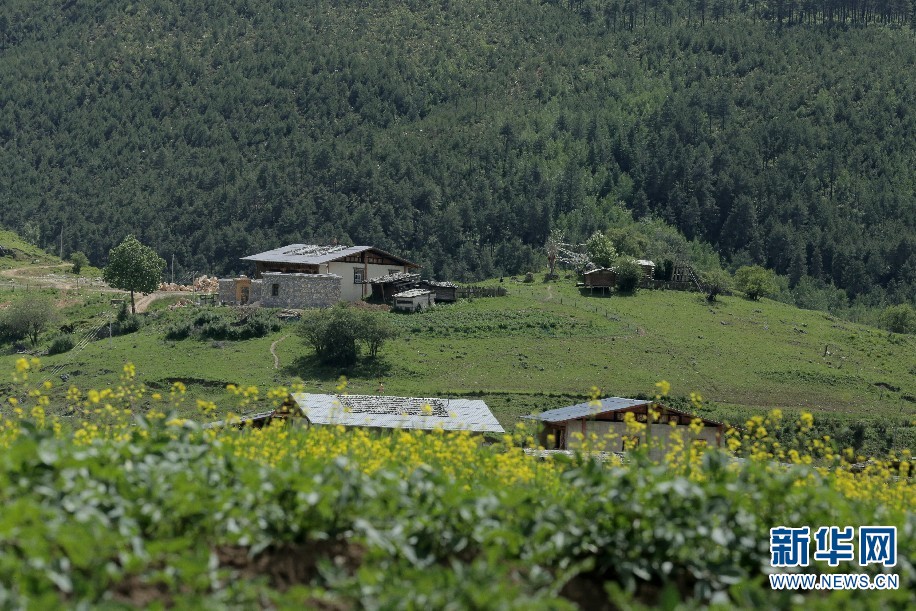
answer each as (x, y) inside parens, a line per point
(354, 292)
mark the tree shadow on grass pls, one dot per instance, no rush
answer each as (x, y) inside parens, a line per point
(308, 367)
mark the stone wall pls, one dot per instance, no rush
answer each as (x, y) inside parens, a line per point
(227, 290)
(299, 290)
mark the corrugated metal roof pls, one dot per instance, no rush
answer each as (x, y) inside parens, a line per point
(382, 412)
(412, 293)
(313, 254)
(581, 410)
(398, 277)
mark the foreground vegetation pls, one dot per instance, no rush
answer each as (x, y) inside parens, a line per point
(139, 507)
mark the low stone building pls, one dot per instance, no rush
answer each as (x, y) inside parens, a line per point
(277, 290)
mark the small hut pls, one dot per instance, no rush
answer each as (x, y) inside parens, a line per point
(648, 268)
(414, 300)
(603, 278)
(445, 291)
(565, 428)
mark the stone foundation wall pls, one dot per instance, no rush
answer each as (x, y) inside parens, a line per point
(293, 290)
(227, 290)
(299, 290)
(255, 291)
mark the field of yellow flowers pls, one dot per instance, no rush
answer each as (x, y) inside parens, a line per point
(113, 507)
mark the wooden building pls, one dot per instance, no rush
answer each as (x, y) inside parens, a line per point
(354, 264)
(606, 421)
(387, 286)
(604, 278)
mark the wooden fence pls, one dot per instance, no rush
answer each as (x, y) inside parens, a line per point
(472, 292)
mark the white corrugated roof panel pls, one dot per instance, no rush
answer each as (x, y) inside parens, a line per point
(398, 412)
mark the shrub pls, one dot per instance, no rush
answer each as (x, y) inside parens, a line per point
(180, 330)
(629, 273)
(337, 334)
(756, 281)
(27, 317)
(899, 318)
(716, 282)
(131, 324)
(60, 344)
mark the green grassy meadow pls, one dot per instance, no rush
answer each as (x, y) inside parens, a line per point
(545, 346)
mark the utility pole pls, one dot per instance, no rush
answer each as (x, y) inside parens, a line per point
(61, 256)
(173, 268)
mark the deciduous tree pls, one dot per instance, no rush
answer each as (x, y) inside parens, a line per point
(133, 267)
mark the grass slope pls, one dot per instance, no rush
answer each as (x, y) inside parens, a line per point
(546, 345)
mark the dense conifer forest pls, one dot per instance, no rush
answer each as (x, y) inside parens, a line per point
(460, 133)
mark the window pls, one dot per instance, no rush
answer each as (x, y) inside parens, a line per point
(394, 271)
(274, 290)
(357, 275)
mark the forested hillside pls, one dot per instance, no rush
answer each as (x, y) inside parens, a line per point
(459, 133)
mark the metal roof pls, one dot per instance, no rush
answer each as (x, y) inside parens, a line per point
(313, 254)
(412, 293)
(582, 410)
(398, 412)
(598, 269)
(397, 277)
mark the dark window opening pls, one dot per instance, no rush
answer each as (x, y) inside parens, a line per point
(275, 290)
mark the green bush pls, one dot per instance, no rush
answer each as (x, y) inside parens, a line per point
(225, 324)
(899, 318)
(756, 281)
(179, 330)
(130, 324)
(629, 274)
(338, 334)
(60, 344)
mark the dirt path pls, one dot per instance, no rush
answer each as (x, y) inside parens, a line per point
(62, 279)
(549, 293)
(273, 351)
(143, 302)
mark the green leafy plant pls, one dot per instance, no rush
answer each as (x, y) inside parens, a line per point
(629, 274)
(133, 267)
(755, 281)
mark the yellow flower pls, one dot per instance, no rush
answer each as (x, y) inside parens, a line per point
(664, 388)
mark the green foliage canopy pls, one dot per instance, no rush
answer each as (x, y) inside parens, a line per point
(166, 118)
(133, 267)
(716, 282)
(899, 318)
(629, 273)
(337, 334)
(28, 317)
(755, 281)
(601, 250)
(79, 260)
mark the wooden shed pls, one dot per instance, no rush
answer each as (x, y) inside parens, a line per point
(602, 278)
(605, 420)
